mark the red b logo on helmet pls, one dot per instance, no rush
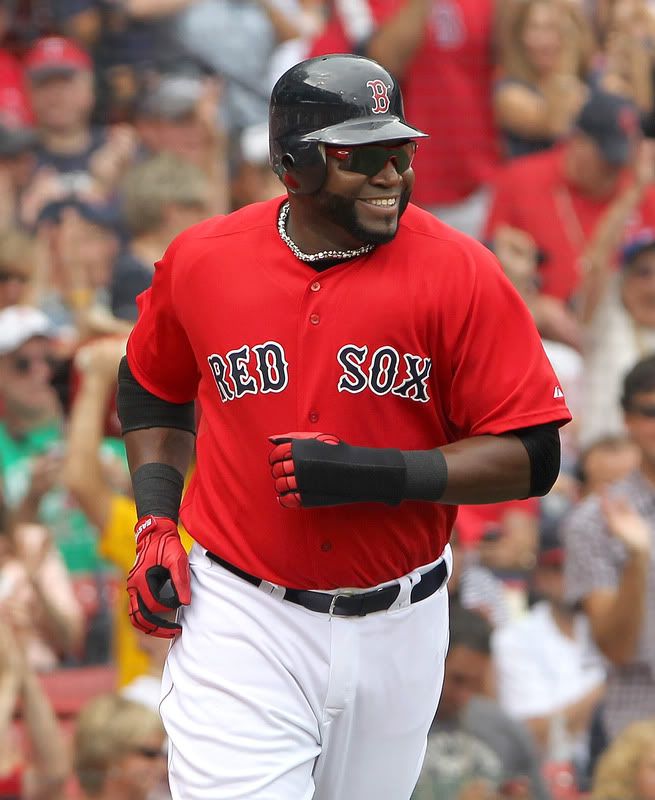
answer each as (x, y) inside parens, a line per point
(380, 96)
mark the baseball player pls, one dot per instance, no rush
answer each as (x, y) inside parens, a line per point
(361, 369)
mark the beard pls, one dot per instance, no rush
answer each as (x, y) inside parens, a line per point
(342, 211)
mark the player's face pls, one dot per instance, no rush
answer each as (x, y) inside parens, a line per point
(367, 208)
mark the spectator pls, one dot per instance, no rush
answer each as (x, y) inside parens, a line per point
(178, 115)
(60, 76)
(119, 750)
(37, 597)
(83, 244)
(559, 196)
(549, 673)
(41, 776)
(606, 461)
(627, 768)
(112, 512)
(627, 32)
(32, 439)
(242, 61)
(616, 305)
(545, 55)
(161, 197)
(475, 587)
(254, 180)
(442, 55)
(474, 749)
(609, 568)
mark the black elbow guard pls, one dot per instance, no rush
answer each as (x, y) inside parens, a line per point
(543, 446)
(138, 408)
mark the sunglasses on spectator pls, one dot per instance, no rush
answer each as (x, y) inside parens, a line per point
(5, 277)
(642, 411)
(24, 364)
(370, 159)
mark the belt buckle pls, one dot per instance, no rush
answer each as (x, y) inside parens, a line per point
(333, 602)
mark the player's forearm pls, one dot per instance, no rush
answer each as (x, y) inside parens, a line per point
(169, 446)
(486, 469)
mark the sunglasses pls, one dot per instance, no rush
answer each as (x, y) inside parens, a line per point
(5, 277)
(23, 364)
(370, 159)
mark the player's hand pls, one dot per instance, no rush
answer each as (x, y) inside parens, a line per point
(283, 468)
(159, 581)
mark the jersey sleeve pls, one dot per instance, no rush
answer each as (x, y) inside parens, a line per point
(158, 350)
(501, 377)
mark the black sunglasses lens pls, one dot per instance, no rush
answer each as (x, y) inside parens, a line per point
(372, 159)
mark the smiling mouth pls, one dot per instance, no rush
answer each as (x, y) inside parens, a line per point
(382, 202)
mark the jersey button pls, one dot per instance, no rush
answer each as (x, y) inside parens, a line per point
(314, 319)
(314, 416)
(326, 547)
(315, 287)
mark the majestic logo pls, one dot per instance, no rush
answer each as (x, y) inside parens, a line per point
(380, 93)
(558, 393)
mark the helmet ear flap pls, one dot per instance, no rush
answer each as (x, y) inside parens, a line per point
(289, 181)
(304, 173)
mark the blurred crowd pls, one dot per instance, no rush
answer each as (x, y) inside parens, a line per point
(124, 121)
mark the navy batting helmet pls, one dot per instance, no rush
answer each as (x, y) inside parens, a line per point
(337, 99)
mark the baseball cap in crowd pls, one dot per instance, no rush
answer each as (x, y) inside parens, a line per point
(55, 55)
(107, 215)
(19, 324)
(613, 123)
(639, 242)
(172, 97)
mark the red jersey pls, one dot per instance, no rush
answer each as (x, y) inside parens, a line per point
(419, 343)
(532, 194)
(447, 90)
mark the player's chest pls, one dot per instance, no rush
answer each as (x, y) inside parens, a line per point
(355, 337)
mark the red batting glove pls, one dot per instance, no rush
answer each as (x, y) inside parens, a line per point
(159, 580)
(283, 468)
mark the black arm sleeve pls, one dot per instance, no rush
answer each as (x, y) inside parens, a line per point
(138, 408)
(544, 451)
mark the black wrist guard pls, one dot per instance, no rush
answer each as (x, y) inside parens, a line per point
(329, 475)
(158, 490)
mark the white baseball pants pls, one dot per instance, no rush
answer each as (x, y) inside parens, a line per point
(265, 700)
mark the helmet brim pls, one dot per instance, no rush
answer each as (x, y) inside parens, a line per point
(364, 131)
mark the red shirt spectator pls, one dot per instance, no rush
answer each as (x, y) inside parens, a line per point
(447, 84)
(559, 196)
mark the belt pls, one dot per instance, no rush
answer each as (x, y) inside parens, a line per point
(350, 605)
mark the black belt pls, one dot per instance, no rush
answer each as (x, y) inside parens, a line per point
(351, 605)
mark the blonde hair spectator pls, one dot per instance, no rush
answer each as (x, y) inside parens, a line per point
(576, 39)
(157, 184)
(626, 770)
(118, 748)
